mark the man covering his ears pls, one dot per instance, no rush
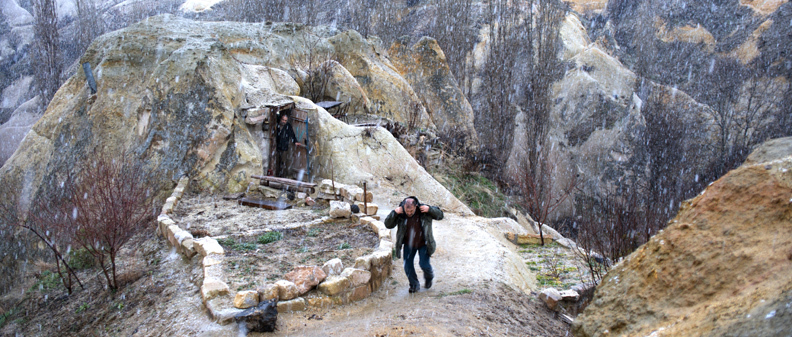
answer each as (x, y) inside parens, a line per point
(414, 235)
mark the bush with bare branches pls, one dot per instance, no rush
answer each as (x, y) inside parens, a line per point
(47, 220)
(112, 199)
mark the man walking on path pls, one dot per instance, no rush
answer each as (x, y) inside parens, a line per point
(415, 234)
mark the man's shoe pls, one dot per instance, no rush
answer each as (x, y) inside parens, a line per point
(413, 289)
(428, 283)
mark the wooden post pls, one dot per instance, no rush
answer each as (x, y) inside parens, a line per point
(365, 203)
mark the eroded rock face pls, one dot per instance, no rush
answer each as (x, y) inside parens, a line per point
(425, 68)
(722, 267)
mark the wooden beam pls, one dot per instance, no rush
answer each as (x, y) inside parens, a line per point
(271, 205)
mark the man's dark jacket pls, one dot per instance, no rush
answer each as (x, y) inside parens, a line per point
(285, 136)
(394, 219)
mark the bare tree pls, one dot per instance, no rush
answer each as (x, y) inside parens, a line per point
(113, 200)
(46, 47)
(89, 23)
(455, 33)
(508, 39)
(47, 220)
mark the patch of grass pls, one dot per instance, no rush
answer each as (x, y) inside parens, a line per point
(246, 246)
(344, 246)
(82, 307)
(229, 241)
(47, 281)
(7, 315)
(303, 249)
(269, 237)
(313, 232)
(547, 280)
(481, 194)
(458, 292)
(81, 259)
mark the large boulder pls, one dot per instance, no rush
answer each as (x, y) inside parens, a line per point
(723, 266)
(425, 67)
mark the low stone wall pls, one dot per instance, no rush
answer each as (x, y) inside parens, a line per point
(304, 287)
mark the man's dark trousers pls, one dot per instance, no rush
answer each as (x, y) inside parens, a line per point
(409, 265)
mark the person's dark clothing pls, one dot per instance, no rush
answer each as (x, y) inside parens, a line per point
(400, 220)
(423, 262)
(284, 136)
(415, 234)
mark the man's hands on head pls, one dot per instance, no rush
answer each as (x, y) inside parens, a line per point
(424, 208)
(399, 210)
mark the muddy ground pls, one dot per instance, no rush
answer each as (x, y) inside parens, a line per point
(161, 294)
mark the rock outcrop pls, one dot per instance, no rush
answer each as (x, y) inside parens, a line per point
(723, 266)
(425, 68)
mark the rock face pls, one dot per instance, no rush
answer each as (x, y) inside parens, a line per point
(425, 67)
(598, 110)
(723, 267)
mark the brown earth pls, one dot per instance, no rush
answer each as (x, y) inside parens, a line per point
(723, 267)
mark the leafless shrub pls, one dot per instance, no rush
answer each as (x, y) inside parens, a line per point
(317, 64)
(47, 220)
(113, 200)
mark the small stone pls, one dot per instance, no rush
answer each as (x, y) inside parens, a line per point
(369, 209)
(360, 293)
(170, 233)
(221, 310)
(369, 196)
(187, 248)
(334, 285)
(333, 267)
(305, 277)
(212, 288)
(309, 201)
(551, 297)
(287, 290)
(268, 292)
(381, 257)
(207, 246)
(262, 318)
(319, 301)
(356, 277)
(211, 260)
(297, 304)
(385, 245)
(569, 295)
(339, 209)
(367, 220)
(246, 299)
(363, 262)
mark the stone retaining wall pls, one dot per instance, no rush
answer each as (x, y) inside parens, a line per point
(309, 286)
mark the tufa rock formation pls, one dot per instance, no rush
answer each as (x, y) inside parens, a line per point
(723, 266)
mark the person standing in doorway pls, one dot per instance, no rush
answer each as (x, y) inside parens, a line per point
(414, 236)
(284, 136)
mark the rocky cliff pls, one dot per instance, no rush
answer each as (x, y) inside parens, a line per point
(723, 266)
